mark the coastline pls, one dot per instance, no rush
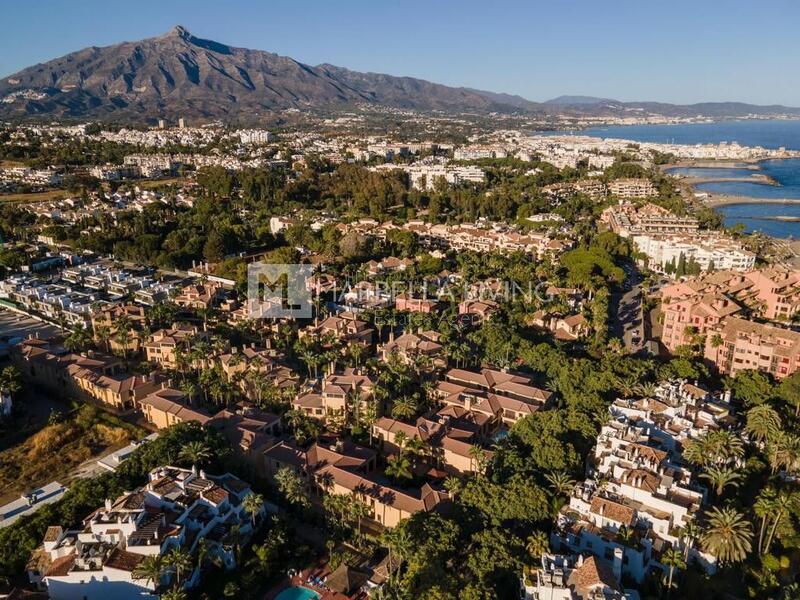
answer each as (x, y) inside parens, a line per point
(715, 200)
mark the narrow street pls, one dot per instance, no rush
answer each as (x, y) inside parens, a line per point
(626, 311)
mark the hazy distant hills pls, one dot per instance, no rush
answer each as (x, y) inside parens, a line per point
(178, 74)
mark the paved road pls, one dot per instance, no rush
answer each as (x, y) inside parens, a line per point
(626, 311)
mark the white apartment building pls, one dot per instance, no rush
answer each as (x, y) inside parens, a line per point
(706, 249)
(255, 136)
(176, 509)
(647, 496)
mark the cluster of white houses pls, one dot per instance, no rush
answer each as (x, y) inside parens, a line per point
(176, 509)
(639, 496)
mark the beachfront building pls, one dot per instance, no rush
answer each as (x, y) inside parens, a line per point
(708, 251)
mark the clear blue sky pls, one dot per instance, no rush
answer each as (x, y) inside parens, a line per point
(676, 51)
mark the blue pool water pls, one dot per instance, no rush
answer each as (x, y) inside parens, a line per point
(297, 593)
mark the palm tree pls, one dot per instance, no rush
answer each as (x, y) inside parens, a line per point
(763, 422)
(537, 544)
(783, 451)
(123, 329)
(763, 508)
(560, 483)
(103, 335)
(291, 486)
(252, 505)
(478, 458)
(77, 340)
(174, 594)
(196, 453)
(727, 535)
(784, 504)
(720, 478)
(673, 559)
(399, 468)
(400, 546)
(400, 439)
(626, 386)
(189, 388)
(689, 534)
(453, 485)
(180, 561)
(645, 390)
(404, 407)
(151, 568)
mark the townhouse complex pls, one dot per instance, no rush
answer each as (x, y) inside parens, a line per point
(742, 319)
(640, 496)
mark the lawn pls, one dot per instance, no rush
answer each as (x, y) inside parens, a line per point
(34, 196)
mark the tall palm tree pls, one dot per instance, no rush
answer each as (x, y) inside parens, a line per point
(103, 335)
(783, 451)
(763, 422)
(179, 560)
(292, 487)
(673, 559)
(151, 568)
(720, 478)
(689, 534)
(195, 453)
(478, 458)
(784, 504)
(763, 508)
(727, 535)
(400, 546)
(253, 504)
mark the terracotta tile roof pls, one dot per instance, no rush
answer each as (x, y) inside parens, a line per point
(61, 567)
(591, 574)
(123, 560)
(612, 510)
(215, 494)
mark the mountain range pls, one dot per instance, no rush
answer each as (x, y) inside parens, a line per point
(179, 74)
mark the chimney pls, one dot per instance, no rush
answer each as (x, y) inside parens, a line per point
(108, 503)
(617, 566)
(202, 474)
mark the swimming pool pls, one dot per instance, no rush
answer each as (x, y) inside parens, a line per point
(297, 593)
